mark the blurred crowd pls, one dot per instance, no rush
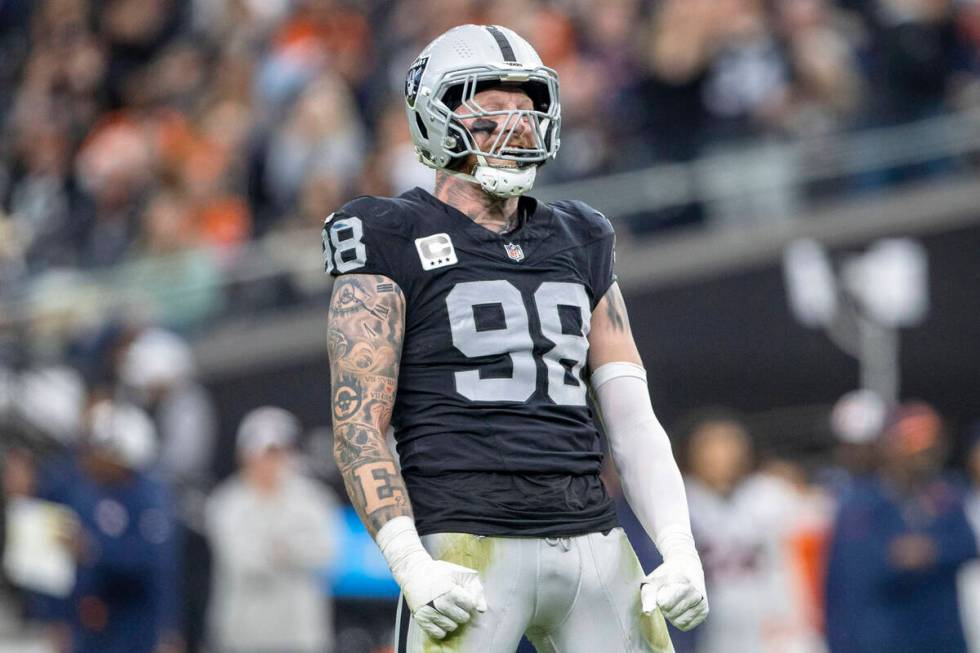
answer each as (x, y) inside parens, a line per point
(136, 130)
(122, 534)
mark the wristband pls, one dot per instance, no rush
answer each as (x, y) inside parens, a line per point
(401, 547)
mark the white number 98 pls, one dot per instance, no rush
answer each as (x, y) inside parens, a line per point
(336, 244)
(563, 361)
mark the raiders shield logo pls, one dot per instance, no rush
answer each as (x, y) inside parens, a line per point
(514, 252)
(413, 80)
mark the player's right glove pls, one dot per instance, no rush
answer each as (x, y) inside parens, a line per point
(441, 595)
(677, 586)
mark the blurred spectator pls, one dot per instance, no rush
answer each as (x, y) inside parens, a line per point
(47, 215)
(17, 472)
(177, 282)
(856, 420)
(394, 166)
(826, 83)
(134, 32)
(970, 575)
(124, 541)
(750, 530)
(13, 264)
(271, 532)
(747, 78)
(914, 48)
(914, 52)
(239, 22)
(677, 56)
(898, 541)
(322, 134)
(157, 371)
(47, 403)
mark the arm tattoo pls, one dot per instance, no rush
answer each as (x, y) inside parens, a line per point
(616, 310)
(364, 340)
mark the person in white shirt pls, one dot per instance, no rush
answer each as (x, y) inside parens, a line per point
(747, 525)
(270, 532)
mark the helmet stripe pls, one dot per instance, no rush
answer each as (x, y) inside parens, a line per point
(504, 44)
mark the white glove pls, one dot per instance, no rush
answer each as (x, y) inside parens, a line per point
(677, 588)
(441, 595)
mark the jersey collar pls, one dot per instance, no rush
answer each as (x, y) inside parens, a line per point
(536, 227)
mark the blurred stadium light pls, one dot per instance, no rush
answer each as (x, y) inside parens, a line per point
(878, 292)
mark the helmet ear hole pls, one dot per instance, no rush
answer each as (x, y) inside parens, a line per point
(421, 125)
(457, 163)
(549, 135)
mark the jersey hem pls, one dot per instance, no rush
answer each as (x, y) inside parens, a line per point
(473, 527)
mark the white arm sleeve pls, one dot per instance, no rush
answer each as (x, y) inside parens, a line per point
(642, 453)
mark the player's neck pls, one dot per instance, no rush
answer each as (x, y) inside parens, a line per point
(497, 214)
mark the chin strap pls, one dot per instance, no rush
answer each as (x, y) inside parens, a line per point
(502, 182)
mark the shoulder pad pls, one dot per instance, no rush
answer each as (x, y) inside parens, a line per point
(378, 212)
(366, 235)
(593, 224)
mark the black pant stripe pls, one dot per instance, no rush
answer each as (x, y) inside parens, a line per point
(404, 617)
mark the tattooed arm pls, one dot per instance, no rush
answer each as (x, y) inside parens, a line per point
(364, 339)
(610, 338)
(366, 325)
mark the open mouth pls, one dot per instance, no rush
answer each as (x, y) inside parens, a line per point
(504, 163)
(509, 164)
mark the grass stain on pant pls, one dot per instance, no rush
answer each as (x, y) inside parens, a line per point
(465, 550)
(654, 630)
(653, 627)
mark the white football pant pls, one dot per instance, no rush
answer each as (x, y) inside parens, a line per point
(569, 595)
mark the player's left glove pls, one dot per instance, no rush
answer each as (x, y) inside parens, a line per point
(677, 586)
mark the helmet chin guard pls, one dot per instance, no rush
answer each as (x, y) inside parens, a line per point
(500, 182)
(505, 182)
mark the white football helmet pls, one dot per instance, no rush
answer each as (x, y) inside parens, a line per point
(439, 91)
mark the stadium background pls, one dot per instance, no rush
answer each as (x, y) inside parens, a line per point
(168, 163)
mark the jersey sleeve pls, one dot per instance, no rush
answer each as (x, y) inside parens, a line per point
(601, 251)
(604, 266)
(361, 238)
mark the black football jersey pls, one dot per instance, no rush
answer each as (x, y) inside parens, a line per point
(494, 431)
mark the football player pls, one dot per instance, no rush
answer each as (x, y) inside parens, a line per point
(473, 320)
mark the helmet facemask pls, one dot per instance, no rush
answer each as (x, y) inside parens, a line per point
(505, 167)
(504, 146)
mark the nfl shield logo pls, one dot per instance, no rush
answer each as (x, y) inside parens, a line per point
(514, 252)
